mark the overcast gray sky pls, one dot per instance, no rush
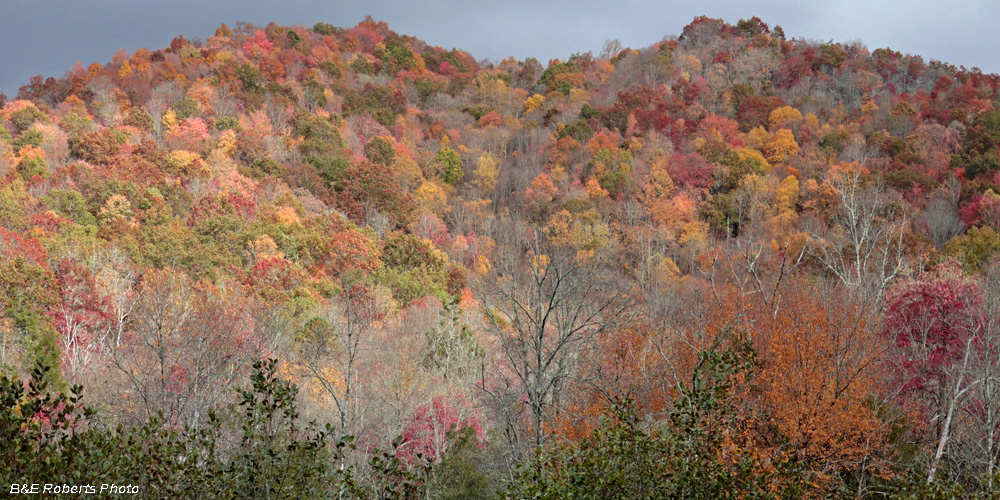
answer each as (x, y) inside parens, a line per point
(48, 36)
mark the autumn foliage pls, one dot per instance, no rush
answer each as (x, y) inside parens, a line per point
(773, 259)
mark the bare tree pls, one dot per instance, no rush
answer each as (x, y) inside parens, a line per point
(941, 214)
(947, 331)
(544, 306)
(863, 248)
(856, 150)
(961, 384)
(225, 101)
(969, 434)
(331, 346)
(985, 439)
(187, 345)
(117, 278)
(611, 48)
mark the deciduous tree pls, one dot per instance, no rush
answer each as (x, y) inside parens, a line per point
(544, 307)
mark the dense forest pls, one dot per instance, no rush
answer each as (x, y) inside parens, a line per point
(291, 262)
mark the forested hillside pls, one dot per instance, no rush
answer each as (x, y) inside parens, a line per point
(728, 264)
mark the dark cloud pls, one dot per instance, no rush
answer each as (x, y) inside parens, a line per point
(48, 36)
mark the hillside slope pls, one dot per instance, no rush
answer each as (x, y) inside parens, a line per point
(431, 243)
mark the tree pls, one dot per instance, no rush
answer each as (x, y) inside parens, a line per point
(945, 329)
(942, 218)
(188, 135)
(974, 248)
(540, 195)
(452, 348)
(979, 451)
(430, 431)
(331, 346)
(414, 268)
(864, 247)
(692, 454)
(486, 173)
(29, 292)
(978, 155)
(785, 115)
(375, 186)
(379, 150)
(544, 307)
(278, 457)
(450, 165)
(259, 45)
(184, 346)
(463, 471)
(52, 434)
(781, 146)
(818, 395)
(820, 382)
(78, 317)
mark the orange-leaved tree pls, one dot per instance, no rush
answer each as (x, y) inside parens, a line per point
(819, 383)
